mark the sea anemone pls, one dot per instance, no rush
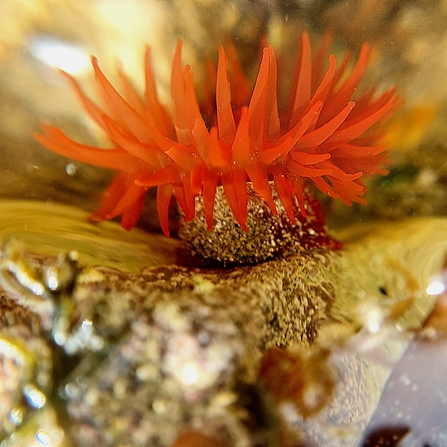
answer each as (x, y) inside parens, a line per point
(320, 136)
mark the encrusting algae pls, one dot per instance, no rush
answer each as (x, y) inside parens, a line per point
(321, 136)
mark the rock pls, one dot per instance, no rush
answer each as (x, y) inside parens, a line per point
(150, 354)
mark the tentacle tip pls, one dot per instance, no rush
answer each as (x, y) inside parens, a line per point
(126, 226)
(94, 61)
(188, 217)
(244, 227)
(96, 217)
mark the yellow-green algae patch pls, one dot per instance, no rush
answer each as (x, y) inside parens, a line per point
(48, 228)
(384, 264)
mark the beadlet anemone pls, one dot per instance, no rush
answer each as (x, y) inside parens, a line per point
(320, 136)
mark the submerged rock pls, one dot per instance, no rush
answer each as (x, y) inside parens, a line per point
(167, 353)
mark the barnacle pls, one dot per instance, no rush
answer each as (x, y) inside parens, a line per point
(321, 136)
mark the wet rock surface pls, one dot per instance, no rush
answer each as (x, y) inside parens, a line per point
(142, 357)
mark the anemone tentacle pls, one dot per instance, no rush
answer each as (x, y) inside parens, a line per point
(323, 135)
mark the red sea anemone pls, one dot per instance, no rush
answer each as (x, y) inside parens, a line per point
(321, 136)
